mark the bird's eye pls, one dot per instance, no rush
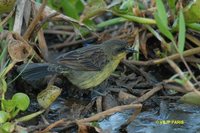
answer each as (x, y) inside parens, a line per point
(121, 49)
(118, 50)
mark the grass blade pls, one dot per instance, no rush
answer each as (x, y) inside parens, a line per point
(162, 27)
(182, 30)
(162, 12)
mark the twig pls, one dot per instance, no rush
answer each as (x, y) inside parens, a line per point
(52, 126)
(134, 115)
(98, 116)
(7, 17)
(99, 104)
(135, 69)
(174, 87)
(19, 16)
(188, 85)
(192, 60)
(38, 27)
(35, 21)
(60, 32)
(108, 112)
(193, 39)
(164, 60)
(149, 94)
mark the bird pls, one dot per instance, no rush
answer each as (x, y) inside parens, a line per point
(85, 67)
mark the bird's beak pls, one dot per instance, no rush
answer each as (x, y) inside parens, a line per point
(131, 50)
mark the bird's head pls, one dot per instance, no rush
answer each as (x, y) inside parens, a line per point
(118, 47)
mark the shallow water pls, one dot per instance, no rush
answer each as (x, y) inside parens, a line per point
(181, 118)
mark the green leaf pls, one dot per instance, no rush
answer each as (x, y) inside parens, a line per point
(191, 98)
(181, 36)
(29, 117)
(93, 8)
(9, 105)
(180, 81)
(140, 20)
(191, 12)
(162, 27)
(69, 9)
(9, 127)
(194, 26)
(162, 12)
(172, 6)
(79, 6)
(22, 101)
(3, 131)
(56, 5)
(4, 116)
(127, 5)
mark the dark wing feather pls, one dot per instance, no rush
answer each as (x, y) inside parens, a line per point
(91, 58)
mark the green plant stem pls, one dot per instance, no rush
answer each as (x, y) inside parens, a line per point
(111, 22)
(8, 68)
(136, 19)
(4, 89)
(15, 112)
(29, 117)
(106, 23)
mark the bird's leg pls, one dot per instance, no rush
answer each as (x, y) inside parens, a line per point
(100, 90)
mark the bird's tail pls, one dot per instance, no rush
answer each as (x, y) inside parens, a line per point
(34, 71)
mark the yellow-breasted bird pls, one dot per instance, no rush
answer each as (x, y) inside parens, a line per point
(85, 67)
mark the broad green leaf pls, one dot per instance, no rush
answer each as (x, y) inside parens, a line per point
(79, 5)
(3, 131)
(9, 127)
(93, 8)
(4, 116)
(9, 105)
(162, 12)
(69, 9)
(181, 36)
(22, 101)
(56, 5)
(162, 27)
(191, 98)
(191, 12)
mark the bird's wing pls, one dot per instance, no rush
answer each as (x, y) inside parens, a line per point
(91, 58)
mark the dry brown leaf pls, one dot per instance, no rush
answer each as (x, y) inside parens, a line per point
(17, 49)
